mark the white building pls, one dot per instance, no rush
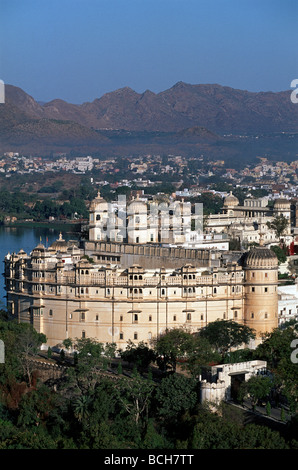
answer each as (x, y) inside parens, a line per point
(287, 303)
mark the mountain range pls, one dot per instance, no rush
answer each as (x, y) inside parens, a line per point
(185, 118)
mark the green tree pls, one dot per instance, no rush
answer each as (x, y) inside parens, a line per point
(279, 225)
(152, 438)
(68, 343)
(81, 407)
(175, 394)
(276, 349)
(28, 344)
(140, 355)
(202, 355)
(254, 436)
(173, 345)
(109, 352)
(226, 334)
(268, 408)
(280, 253)
(256, 387)
(89, 361)
(135, 396)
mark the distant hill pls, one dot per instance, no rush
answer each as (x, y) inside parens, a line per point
(185, 117)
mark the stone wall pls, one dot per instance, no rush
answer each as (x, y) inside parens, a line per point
(153, 256)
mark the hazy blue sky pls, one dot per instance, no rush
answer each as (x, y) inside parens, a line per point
(78, 50)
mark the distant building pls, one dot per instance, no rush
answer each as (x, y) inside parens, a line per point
(249, 222)
(287, 303)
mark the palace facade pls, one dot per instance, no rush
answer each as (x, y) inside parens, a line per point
(115, 292)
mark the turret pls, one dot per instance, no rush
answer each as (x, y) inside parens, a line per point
(98, 218)
(260, 266)
(137, 221)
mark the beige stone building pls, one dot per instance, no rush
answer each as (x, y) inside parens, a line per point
(63, 295)
(115, 292)
(248, 222)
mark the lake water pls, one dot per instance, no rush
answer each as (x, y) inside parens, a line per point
(13, 239)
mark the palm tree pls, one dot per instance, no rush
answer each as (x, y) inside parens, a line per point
(81, 407)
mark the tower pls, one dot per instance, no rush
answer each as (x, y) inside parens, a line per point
(137, 221)
(260, 266)
(98, 218)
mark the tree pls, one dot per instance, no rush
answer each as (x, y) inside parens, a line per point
(152, 439)
(201, 356)
(135, 396)
(67, 343)
(173, 345)
(226, 334)
(141, 355)
(89, 360)
(175, 395)
(279, 225)
(81, 407)
(276, 349)
(109, 351)
(256, 387)
(28, 343)
(280, 253)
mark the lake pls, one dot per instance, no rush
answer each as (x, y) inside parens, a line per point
(13, 239)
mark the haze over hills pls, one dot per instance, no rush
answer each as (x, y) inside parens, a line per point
(185, 118)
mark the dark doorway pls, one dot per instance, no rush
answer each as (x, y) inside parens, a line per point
(236, 381)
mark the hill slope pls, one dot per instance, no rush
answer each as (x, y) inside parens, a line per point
(185, 118)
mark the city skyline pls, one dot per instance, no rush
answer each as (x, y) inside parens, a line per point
(78, 51)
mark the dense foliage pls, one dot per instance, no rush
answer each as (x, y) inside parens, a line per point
(139, 407)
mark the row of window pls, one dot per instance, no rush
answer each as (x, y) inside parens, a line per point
(121, 335)
(135, 317)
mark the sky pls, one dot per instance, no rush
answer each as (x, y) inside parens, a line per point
(78, 50)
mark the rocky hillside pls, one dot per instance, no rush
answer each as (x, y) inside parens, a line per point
(184, 118)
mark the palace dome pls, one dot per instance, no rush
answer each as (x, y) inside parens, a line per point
(282, 203)
(137, 206)
(60, 244)
(98, 201)
(231, 200)
(259, 257)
